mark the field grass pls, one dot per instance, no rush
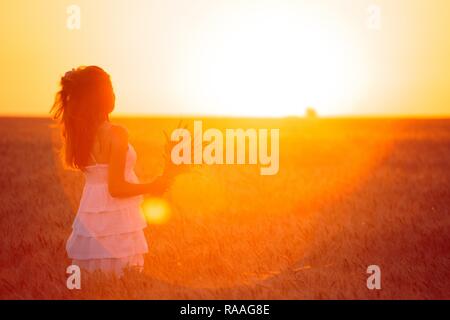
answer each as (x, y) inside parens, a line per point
(350, 193)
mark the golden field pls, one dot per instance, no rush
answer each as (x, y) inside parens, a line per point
(349, 193)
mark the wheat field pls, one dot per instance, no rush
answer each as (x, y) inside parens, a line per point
(349, 193)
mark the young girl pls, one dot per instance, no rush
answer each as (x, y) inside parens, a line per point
(107, 232)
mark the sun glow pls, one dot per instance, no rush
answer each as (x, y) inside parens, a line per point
(156, 210)
(269, 63)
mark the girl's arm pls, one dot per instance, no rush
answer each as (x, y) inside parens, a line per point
(118, 186)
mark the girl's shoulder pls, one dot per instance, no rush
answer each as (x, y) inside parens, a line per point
(118, 133)
(118, 129)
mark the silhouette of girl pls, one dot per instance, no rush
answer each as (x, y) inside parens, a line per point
(107, 233)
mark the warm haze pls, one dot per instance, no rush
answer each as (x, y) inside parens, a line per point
(361, 181)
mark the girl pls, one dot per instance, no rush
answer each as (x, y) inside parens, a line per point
(107, 233)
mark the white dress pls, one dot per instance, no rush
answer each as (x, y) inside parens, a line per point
(107, 233)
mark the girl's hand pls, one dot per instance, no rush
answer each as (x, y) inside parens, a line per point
(161, 185)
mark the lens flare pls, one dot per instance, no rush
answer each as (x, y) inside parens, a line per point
(156, 210)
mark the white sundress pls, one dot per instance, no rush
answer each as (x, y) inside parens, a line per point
(107, 233)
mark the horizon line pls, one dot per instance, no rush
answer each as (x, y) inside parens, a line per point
(159, 115)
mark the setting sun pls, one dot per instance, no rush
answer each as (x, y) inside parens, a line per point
(272, 62)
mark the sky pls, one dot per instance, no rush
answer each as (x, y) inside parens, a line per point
(234, 58)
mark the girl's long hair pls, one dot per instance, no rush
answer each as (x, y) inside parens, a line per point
(84, 102)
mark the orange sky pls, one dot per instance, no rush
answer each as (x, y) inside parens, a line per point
(260, 58)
